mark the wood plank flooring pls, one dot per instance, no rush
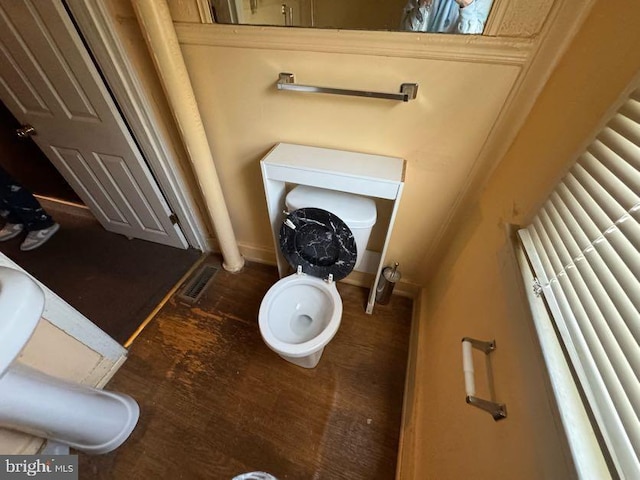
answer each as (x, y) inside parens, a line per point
(216, 402)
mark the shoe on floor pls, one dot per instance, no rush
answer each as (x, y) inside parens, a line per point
(10, 230)
(37, 238)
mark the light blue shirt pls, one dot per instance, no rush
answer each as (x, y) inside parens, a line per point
(446, 16)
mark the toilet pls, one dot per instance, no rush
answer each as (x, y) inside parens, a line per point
(323, 238)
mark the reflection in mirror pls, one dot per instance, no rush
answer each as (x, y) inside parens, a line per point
(439, 16)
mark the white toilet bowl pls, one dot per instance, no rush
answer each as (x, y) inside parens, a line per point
(298, 316)
(88, 419)
(301, 313)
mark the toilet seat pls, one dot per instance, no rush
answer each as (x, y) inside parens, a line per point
(319, 242)
(281, 288)
(301, 313)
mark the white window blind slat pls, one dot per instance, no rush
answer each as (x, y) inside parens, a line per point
(630, 228)
(582, 210)
(591, 217)
(611, 394)
(618, 282)
(604, 409)
(617, 417)
(620, 155)
(575, 218)
(584, 248)
(606, 319)
(573, 236)
(622, 133)
(631, 108)
(625, 123)
(609, 195)
(578, 223)
(622, 136)
(616, 176)
(611, 297)
(586, 451)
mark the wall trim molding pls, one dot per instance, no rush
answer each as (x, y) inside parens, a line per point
(462, 48)
(267, 256)
(258, 254)
(405, 468)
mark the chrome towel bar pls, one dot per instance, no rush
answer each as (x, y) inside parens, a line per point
(497, 410)
(408, 91)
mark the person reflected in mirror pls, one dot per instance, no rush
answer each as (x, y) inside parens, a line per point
(23, 212)
(446, 16)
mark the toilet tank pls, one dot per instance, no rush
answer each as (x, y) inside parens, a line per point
(359, 213)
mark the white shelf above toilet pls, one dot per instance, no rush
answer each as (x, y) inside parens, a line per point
(375, 176)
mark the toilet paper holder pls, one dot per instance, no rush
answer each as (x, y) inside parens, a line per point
(497, 410)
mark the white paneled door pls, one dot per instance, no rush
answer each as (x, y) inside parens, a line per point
(48, 81)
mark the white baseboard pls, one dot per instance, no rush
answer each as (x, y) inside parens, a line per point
(257, 254)
(267, 256)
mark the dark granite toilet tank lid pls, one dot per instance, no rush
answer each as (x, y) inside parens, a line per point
(318, 241)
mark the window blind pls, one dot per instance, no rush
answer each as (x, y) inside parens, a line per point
(584, 248)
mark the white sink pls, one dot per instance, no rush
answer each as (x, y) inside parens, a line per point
(85, 418)
(21, 305)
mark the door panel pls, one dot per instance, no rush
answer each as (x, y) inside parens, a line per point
(73, 164)
(48, 80)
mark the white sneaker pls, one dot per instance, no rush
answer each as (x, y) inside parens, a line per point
(10, 230)
(37, 238)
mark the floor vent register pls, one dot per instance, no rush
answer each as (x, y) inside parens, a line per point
(197, 284)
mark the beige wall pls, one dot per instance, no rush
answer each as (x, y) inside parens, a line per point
(475, 291)
(440, 134)
(465, 86)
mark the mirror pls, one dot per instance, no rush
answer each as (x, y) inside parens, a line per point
(437, 16)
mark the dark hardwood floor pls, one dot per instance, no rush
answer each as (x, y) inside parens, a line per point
(115, 282)
(216, 402)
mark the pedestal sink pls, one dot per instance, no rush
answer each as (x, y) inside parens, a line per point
(85, 418)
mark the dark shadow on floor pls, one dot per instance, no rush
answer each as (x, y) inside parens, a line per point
(113, 281)
(216, 402)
